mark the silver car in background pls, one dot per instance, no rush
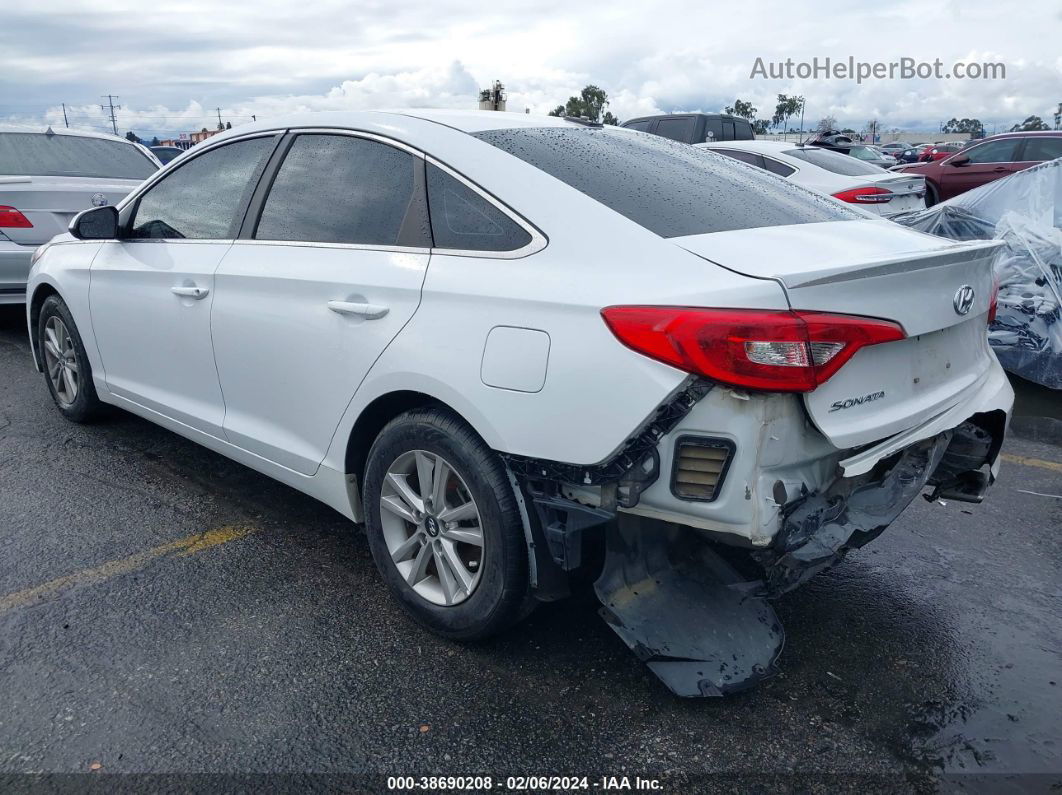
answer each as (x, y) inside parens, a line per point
(46, 178)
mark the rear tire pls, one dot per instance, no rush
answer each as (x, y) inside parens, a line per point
(66, 366)
(451, 551)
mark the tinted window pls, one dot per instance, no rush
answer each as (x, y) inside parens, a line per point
(40, 155)
(641, 126)
(743, 131)
(1044, 148)
(680, 129)
(832, 161)
(462, 219)
(203, 198)
(728, 131)
(777, 167)
(669, 188)
(339, 189)
(1001, 151)
(745, 157)
(713, 129)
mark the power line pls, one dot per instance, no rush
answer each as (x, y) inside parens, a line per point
(113, 108)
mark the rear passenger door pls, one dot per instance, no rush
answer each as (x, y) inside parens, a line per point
(328, 268)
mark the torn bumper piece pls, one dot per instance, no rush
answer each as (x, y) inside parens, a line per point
(701, 627)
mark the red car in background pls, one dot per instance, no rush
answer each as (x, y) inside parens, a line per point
(940, 151)
(984, 161)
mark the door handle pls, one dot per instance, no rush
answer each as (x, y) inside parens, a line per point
(190, 292)
(367, 311)
(1000, 168)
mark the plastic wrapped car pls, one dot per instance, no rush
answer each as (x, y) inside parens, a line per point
(1024, 211)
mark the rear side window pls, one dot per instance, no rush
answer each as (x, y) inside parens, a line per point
(1045, 148)
(743, 131)
(204, 198)
(41, 155)
(339, 189)
(640, 126)
(669, 188)
(462, 219)
(777, 167)
(832, 161)
(680, 129)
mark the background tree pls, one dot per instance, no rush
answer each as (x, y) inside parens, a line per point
(1058, 117)
(761, 126)
(155, 141)
(131, 136)
(1030, 124)
(590, 103)
(786, 108)
(826, 123)
(971, 126)
(742, 109)
(870, 130)
(608, 118)
(228, 125)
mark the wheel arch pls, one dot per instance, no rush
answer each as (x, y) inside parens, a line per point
(40, 295)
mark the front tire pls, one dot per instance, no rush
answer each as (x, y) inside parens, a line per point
(66, 366)
(443, 526)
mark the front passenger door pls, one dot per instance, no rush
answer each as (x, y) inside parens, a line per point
(988, 161)
(151, 291)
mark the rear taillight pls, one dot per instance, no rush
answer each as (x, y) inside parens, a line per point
(10, 218)
(777, 351)
(993, 302)
(865, 195)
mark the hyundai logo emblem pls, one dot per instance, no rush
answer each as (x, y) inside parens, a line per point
(964, 299)
(99, 200)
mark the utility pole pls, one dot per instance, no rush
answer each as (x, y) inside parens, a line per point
(111, 108)
(220, 125)
(67, 123)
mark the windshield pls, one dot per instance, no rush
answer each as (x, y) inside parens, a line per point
(832, 161)
(41, 155)
(669, 188)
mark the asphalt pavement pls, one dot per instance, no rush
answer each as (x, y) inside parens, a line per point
(166, 611)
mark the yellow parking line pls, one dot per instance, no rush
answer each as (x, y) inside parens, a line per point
(113, 568)
(1054, 466)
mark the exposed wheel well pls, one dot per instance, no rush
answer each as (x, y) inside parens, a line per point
(36, 302)
(372, 420)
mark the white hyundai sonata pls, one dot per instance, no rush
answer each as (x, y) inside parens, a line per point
(520, 350)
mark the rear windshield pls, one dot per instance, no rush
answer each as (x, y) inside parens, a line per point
(832, 161)
(669, 188)
(41, 155)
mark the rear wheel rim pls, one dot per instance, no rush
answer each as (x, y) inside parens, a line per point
(432, 528)
(60, 360)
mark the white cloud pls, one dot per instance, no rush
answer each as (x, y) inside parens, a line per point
(276, 56)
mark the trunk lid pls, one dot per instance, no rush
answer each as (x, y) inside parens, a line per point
(877, 269)
(908, 191)
(51, 202)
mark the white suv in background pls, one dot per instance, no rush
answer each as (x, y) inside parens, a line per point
(46, 178)
(508, 345)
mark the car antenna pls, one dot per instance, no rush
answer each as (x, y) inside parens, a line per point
(583, 120)
(49, 131)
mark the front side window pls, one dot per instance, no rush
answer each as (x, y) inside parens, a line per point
(42, 155)
(1001, 151)
(204, 198)
(669, 188)
(339, 189)
(462, 219)
(640, 126)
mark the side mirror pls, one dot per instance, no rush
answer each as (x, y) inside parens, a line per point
(96, 223)
(959, 160)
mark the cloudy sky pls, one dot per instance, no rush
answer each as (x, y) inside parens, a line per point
(173, 63)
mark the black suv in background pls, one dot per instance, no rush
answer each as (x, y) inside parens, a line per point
(694, 128)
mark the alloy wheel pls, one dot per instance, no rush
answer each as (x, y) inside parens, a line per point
(60, 361)
(432, 528)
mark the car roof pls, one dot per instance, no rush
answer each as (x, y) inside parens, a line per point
(28, 128)
(757, 145)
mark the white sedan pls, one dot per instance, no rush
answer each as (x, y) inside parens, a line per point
(503, 342)
(845, 178)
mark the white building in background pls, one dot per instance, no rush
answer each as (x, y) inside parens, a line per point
(492, 98)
